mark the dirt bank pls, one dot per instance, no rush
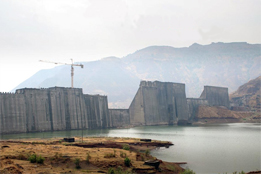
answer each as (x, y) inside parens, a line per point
(94, 155)
(218, 114)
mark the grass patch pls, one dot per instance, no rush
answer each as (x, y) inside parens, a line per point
(123, 155)
(126, 147)
(118, 170)
(172, 168)
(109, 155)
(57, 156)
(242, 172)
(22, 156)
(35, 142)
(77, 163)
(67, 144)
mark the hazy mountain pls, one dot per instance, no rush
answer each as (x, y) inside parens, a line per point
(217, 64)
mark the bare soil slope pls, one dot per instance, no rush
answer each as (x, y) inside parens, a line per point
(218, 114)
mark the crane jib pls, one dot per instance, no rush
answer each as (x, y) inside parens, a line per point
(72, 64)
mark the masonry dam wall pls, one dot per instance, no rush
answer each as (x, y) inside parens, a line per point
(59, 108)
(211, 96)
(119, 117)
(216, 96)
(33, 110)
(159, 103)
(193, 104)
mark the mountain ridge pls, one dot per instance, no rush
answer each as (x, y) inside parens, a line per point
(217, 64)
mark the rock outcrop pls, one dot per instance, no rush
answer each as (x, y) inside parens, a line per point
(247, 96)
(159, 103)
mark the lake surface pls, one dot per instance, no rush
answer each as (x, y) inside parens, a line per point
(217, 148)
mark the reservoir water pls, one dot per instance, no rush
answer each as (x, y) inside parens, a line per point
(217, 148)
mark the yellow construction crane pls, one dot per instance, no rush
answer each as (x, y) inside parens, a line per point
(72, 69)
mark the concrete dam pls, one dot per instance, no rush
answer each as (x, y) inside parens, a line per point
(59, 108)
(159, 103)
(52, 109)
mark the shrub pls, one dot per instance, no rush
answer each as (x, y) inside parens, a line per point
(40, 159)
(127, 162)
(147, 152)
(77, 163)
(188, 171)
(36, 159)
(126, 147)
(32, 158)
(142, 158)
(88, 157)
(111, 171)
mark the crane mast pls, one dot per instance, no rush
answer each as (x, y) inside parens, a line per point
(72, 67)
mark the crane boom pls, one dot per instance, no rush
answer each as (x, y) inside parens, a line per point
(72, 69)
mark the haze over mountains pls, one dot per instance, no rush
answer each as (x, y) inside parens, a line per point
(217, 64)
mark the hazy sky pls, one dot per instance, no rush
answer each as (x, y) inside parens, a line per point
(87, 30)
